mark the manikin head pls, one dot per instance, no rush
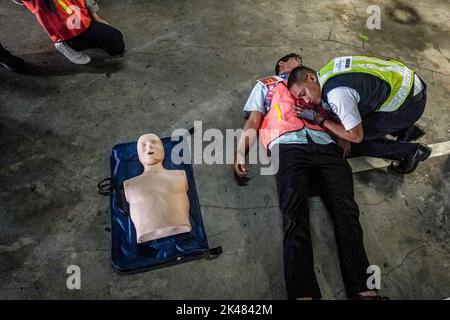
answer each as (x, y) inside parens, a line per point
(304, 84)
(287, 63)
(150, 150)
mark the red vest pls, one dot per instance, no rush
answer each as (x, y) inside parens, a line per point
(281, 117)
(62, 19)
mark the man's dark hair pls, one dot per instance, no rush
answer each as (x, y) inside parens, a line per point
(285, 59)
(299, 74)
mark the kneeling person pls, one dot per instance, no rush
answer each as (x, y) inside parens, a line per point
(372, 98)
(74, 25)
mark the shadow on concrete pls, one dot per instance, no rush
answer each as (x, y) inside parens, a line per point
(383, 182)
(51, 64)
(41, 200)
(437, 207)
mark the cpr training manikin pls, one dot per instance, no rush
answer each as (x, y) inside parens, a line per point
(158, 199)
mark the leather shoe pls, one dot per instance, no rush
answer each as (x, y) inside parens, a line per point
(413, 133)
(409, 165)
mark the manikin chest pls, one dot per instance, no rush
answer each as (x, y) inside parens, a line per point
(148, 186)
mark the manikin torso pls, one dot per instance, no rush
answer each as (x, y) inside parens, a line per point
(159, 204)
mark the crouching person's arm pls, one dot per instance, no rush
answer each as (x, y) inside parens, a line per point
(93, 8)
(355, 134)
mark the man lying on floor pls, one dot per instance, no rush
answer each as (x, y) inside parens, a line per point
(306, 153)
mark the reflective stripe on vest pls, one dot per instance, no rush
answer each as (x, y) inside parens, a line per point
(281, 117)
(399, 77)
(65, 6)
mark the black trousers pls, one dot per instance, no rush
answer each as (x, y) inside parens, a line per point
(299, 164)
(99, 36)
(378, 124)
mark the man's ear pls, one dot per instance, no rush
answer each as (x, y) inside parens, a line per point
(312, 77)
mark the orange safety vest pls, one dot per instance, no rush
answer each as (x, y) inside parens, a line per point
(62, 19)
(281, 117)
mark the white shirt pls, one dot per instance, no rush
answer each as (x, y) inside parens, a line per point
(343, 102)
(418, 86)
(255, 101)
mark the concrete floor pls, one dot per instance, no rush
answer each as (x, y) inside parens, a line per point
(198, 60)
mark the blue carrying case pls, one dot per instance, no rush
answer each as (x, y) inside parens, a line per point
(127, 256)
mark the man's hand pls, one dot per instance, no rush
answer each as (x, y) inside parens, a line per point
(245, 142)
(345, 146)
(240, 171)
(240, 168)
(309, 115)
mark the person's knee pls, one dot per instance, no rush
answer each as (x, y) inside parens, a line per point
(117, 36)
(118, 49)
(117, 45)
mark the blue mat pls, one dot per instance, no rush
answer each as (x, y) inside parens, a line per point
(127, 255)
